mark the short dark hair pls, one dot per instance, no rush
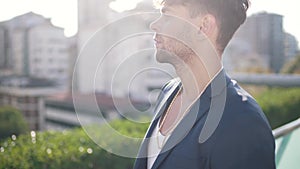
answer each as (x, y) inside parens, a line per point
(230, 14)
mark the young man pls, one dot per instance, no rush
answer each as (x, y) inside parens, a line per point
(203, 120)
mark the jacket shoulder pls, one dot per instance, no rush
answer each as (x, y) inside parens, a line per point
(243, 136)
(241, 105)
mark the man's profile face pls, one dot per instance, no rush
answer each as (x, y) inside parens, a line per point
(173, 34)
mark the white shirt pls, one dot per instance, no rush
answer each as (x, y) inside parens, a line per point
(153, 147)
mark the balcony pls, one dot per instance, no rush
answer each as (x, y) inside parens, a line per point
(287, 145)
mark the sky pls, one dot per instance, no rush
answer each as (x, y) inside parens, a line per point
(64, 12)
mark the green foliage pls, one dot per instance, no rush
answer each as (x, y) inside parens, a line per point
(11, 122)
(281, 105)
(72, 149)
(130, 128)
(292, 67)
(121, 137)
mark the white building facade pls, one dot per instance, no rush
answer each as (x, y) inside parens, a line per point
(291, 47)
(34, 47)
(48, 53)
(261, 38)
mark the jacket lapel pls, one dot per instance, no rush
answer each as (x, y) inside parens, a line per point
(198, 110)
(141, 161)
(182, 129)
(196, 113)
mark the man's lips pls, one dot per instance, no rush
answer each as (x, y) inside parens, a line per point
(158, 44)
(157, 41)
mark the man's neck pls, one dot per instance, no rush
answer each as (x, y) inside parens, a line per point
(195, 76)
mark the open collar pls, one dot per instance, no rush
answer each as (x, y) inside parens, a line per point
(197, 112)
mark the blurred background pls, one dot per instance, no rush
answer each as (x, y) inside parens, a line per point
(41, 75)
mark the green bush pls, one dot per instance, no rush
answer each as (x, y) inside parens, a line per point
(11, 122)
(281, 105)
(71, 149)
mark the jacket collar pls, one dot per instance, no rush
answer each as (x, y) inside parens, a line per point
(163, 99)
(206, 103)
(198, 110)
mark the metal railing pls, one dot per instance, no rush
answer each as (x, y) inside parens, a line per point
(286, 129)
(279, 80)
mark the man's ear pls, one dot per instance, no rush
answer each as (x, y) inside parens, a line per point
(208, 24)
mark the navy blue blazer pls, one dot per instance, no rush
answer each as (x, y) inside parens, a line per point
(224, 129)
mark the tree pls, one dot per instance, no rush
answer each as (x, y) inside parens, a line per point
(11, 122)
(292, 67)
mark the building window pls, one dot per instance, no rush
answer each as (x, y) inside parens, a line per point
(30, 113)
(60, 71)
(50, 50)
(62, 50)
(26, 99)
(37, 60)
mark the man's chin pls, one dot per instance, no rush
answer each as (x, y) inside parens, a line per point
(162, 56)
